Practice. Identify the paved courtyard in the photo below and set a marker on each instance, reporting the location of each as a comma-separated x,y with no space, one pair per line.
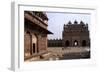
61,53
71,52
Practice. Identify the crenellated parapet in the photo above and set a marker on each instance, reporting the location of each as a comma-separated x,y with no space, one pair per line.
56,39
77,26
55,42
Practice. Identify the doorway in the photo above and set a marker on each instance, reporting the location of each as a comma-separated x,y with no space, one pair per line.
84,43
67,43
75,43
34,43
33,47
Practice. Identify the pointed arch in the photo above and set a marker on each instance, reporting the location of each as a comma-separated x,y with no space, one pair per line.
67,43
75,43
84,43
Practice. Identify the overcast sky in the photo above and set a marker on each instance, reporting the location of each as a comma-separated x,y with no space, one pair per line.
57,20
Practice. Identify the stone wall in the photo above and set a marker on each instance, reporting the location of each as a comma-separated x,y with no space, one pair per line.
54,42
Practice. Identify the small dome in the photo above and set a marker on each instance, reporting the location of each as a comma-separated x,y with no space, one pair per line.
75,22
69,22
81,22
87,24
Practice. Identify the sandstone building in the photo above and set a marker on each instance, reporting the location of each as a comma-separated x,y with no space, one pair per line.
73,35
35,33
76,35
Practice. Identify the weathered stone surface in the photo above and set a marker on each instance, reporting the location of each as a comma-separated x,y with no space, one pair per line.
35,34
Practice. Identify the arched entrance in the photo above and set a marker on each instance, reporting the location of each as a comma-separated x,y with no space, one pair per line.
75,43
34,44
84,43
67,44
27,43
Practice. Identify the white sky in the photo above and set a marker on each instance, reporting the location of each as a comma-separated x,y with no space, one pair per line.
57,20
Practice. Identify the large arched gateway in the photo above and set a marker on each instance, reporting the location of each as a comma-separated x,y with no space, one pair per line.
30,44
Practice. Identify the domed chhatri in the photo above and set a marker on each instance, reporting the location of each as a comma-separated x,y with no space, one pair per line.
81,22
69,22
75,22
